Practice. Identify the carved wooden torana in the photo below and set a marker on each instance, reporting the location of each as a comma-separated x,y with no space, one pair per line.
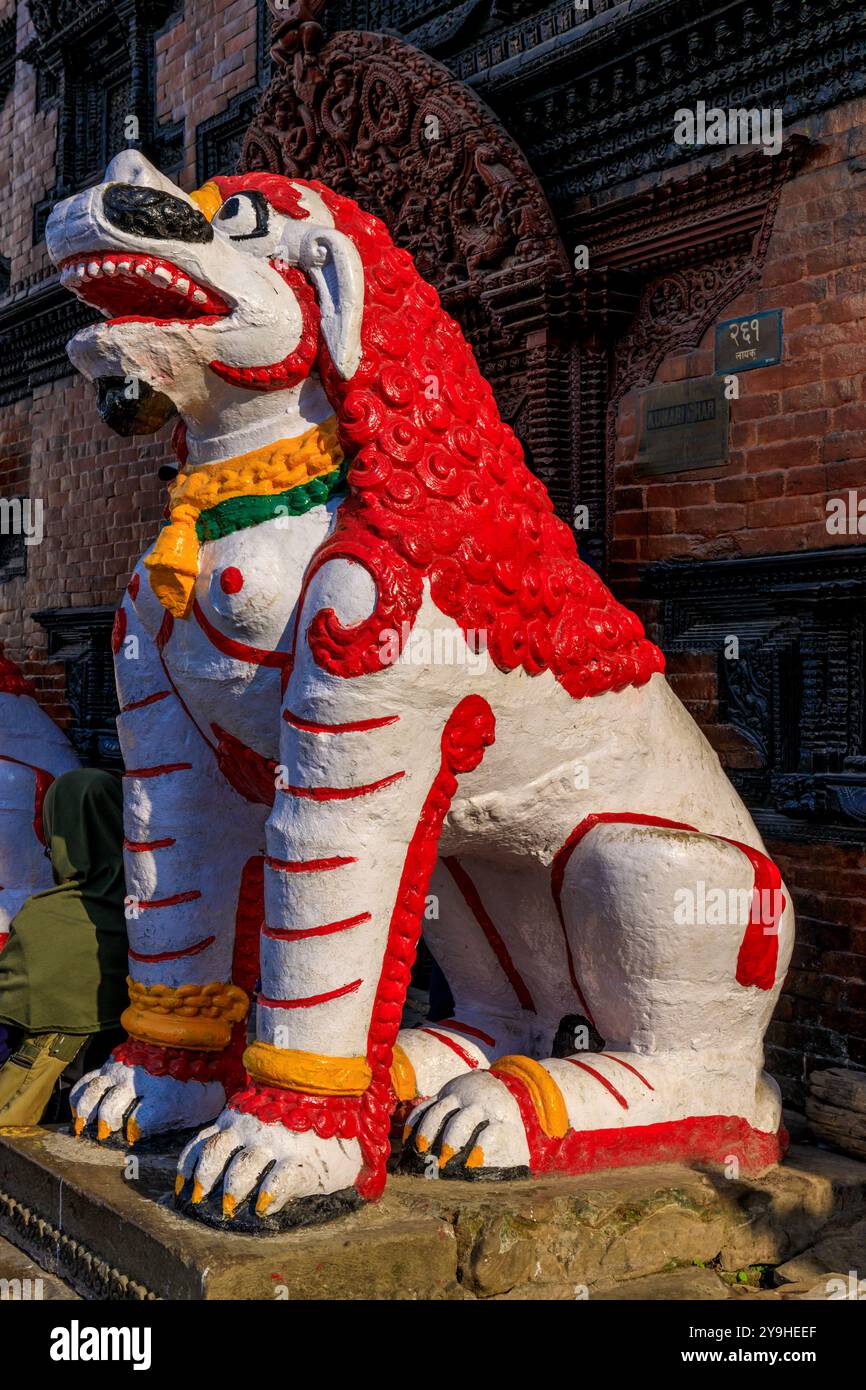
379,121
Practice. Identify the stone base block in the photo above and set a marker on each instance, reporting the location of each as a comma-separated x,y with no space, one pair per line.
103,1221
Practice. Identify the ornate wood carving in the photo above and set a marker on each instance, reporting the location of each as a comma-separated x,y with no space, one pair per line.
34,329
101,58
81,639
796,690
86,1271
592,100
378,120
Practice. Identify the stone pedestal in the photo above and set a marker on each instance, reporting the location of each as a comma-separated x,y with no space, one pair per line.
102,1221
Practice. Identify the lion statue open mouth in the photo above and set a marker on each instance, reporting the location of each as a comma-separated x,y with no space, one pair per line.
368,688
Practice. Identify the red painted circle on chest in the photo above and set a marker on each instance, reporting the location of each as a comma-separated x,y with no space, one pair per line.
231,580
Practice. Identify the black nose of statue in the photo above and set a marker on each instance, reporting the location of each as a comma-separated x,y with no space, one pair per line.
150,213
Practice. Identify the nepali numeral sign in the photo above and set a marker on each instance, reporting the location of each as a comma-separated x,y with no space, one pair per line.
683,425
754,340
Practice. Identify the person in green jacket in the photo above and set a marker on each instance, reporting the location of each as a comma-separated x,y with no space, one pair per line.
63,970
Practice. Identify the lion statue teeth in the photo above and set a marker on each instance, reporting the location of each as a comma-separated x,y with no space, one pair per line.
368,689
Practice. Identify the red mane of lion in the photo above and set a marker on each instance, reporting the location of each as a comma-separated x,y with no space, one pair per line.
439,490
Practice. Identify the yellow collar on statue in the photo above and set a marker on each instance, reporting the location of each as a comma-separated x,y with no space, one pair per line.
173,564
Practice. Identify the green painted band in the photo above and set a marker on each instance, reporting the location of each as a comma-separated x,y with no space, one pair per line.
236,513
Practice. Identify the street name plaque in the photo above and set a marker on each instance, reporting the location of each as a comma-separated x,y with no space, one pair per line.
683,425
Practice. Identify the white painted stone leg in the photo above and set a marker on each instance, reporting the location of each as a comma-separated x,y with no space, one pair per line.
128,1103
473,1127
596,1110
267,1167
344,893
181,904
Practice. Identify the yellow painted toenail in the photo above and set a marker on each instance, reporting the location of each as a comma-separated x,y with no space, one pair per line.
264,1201
407,1130
103,1129
447,1152
133,1133
79,1125
197,1192
178,1184
229,1204
422,1144
476,1158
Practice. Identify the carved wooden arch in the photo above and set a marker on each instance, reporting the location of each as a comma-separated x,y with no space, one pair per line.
379,121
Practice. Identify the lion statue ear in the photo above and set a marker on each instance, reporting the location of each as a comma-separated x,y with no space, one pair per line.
332,263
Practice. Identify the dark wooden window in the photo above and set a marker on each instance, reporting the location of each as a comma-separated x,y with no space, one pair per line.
81,639
795,689
13,551
8,31
98,62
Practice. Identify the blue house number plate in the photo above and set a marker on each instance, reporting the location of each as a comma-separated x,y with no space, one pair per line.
753,340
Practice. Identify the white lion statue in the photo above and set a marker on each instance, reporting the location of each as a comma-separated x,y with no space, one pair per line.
369,688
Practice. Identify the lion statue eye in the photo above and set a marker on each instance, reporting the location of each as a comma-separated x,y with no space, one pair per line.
242,216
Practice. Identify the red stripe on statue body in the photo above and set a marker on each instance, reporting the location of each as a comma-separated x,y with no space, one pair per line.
342,793
466,1028
453,1045
147,846
758,957
597,1076
147,700
472,899
468,731
311,1000
357,726
628,1066
156,957
308,866
176,899
711,1139
327,929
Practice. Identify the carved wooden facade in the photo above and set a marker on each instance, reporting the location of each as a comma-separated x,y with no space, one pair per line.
796,691
385,124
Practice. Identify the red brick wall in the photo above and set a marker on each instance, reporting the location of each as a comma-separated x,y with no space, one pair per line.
102,502
798,430
102,499
797,439
202,62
